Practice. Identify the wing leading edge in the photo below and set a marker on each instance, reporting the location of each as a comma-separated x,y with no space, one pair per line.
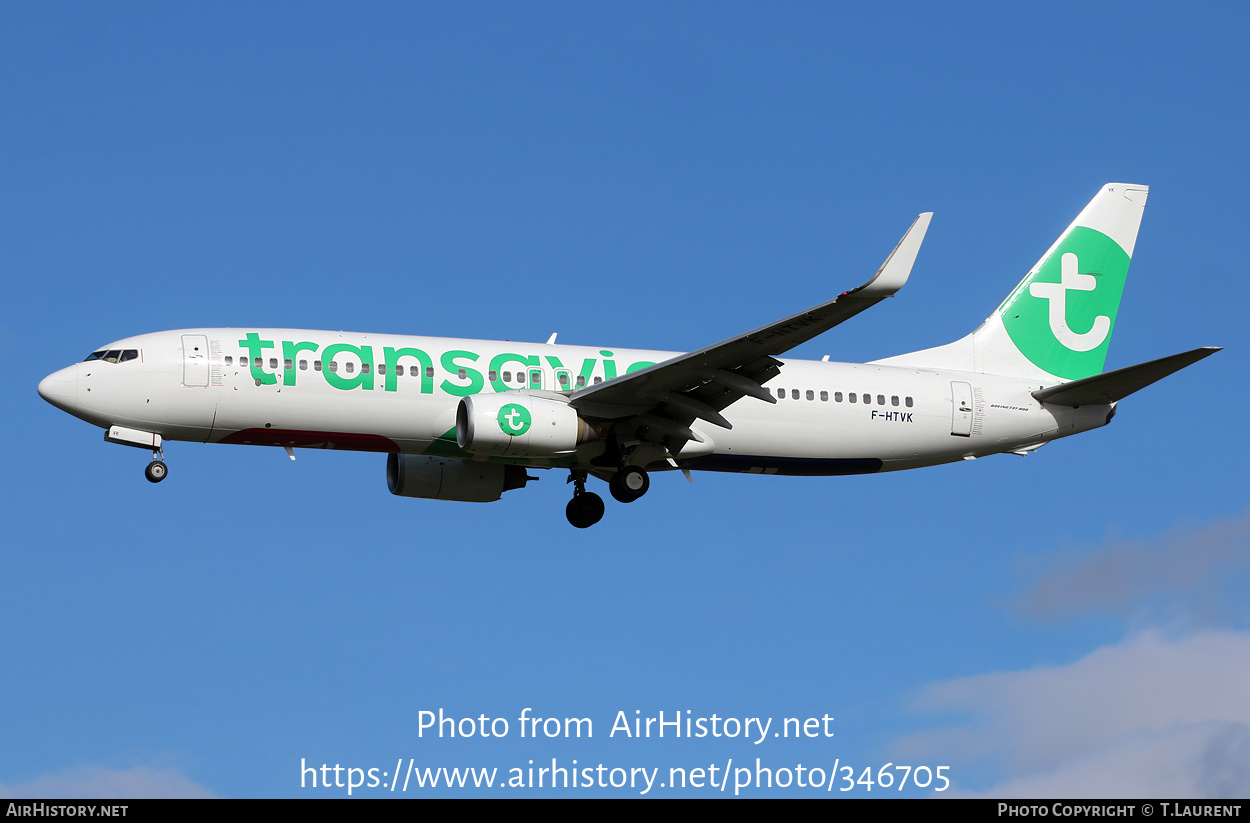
670,395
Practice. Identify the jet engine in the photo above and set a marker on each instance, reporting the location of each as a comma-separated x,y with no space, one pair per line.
520,424
447,478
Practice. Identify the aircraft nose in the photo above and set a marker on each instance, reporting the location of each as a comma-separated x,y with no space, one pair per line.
61,388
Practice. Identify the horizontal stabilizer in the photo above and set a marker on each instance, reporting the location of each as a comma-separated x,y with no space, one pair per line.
1116,385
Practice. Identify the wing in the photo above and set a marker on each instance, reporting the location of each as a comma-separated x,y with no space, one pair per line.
667,397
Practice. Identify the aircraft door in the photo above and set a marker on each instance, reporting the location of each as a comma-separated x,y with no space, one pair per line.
194,360
961,409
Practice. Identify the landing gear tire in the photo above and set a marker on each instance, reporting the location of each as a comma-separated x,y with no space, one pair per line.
156,471
629,484
584,510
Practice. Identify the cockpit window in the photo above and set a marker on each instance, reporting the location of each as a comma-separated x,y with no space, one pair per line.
114,355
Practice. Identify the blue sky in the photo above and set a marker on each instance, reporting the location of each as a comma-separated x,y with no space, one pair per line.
630,175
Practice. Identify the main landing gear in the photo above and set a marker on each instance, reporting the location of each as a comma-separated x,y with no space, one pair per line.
156,470
629,484
586,508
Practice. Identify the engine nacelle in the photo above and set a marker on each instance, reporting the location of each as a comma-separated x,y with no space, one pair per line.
447,478
520,424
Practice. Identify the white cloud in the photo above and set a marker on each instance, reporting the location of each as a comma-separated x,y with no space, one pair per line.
1209,761
1150,717
96,782
1182,572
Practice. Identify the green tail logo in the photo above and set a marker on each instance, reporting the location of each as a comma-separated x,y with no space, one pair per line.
1061,316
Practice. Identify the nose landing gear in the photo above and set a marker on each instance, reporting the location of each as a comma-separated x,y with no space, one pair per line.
156,470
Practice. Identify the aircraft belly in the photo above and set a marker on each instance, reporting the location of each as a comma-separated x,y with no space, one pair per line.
773,464
315,417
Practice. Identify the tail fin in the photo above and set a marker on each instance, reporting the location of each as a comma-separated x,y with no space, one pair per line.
1057,323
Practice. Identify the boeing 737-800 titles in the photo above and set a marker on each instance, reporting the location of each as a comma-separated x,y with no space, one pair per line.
466,419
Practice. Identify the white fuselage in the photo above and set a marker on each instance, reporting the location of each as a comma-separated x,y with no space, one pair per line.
392,393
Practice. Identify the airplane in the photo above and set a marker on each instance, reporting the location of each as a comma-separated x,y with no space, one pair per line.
466,419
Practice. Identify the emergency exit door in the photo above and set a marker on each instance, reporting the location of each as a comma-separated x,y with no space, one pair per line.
961,409
194,360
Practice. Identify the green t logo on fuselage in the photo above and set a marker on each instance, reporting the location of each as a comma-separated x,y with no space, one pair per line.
1062,315
514,420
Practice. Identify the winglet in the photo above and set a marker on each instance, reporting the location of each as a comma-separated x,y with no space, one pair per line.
896,269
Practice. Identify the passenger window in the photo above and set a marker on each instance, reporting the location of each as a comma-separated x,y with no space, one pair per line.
316,365
381,368
303,365
536,379
334,366
492,375
288,365
399,370
794,394
243,362
507,377
598,379
563,379
837,397
908,402
273,363
364,368
229,360
851,397
429,371
461,374
811,395
351,367
881,400
781,393
824,397
581,381
894,400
